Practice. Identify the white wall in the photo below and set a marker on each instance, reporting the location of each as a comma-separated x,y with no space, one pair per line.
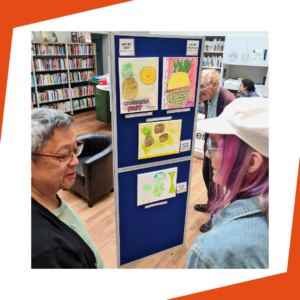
213,33
255,74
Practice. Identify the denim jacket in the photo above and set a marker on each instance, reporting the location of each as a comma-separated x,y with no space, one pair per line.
239,239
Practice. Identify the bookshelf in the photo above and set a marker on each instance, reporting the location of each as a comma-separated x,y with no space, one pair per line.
60,75
213,43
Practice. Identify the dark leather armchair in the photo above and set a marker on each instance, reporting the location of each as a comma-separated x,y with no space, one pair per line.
94,173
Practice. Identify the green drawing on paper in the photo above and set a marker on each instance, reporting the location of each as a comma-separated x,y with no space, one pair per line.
159,178
147,187
158,190
172,188
157,144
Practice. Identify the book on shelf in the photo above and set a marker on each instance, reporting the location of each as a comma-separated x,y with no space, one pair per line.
81,37
74,37
32,82
33,98
53,95
87,37
63,106
83,103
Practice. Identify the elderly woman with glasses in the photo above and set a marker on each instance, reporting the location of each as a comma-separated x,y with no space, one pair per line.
59,237
215,100
238,147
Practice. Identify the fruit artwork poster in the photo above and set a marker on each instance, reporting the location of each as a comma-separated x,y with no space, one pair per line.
138,84
159,138
156,186
179,82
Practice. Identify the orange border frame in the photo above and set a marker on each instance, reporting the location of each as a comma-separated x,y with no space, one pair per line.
19,13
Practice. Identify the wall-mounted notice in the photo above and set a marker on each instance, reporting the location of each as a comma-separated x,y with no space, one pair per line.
181,187
179,82
258,54
185,145
138,84
232,56
192,47
126,47
156,186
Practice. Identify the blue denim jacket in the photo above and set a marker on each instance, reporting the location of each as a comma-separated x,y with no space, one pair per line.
239,239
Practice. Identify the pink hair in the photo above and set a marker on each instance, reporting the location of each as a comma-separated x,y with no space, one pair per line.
233,174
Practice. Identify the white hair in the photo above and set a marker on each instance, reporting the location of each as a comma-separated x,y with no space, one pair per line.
43,123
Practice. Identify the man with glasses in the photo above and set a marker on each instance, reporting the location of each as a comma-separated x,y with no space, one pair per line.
215,100
59,238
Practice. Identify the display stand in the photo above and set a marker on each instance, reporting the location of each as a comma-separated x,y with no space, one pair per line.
143,231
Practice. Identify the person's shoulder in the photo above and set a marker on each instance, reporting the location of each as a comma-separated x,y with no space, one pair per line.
236,244
227,95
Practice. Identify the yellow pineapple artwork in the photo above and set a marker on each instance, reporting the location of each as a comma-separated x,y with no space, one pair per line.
138,84
159,138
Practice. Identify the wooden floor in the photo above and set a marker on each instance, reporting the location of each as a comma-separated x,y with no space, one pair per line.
100,219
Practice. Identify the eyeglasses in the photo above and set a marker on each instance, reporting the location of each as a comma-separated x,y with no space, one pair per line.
202,88
67,157
212,147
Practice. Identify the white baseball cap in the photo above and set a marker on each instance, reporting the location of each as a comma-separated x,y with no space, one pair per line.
247,118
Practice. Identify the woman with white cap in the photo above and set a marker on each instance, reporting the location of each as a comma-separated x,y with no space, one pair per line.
238,146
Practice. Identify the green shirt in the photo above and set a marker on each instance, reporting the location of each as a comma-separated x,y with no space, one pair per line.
67,215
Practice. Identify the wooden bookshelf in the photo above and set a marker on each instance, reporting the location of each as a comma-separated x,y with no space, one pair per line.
71,84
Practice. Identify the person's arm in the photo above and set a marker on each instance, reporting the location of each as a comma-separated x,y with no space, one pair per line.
194,261
58,258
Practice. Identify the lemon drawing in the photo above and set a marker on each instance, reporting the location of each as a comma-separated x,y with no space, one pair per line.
148,75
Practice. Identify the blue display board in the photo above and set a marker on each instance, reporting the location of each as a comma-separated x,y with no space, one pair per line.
142,232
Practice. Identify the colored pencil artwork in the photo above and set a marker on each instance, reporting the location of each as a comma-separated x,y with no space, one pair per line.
156,186
159,138
138,84
179,82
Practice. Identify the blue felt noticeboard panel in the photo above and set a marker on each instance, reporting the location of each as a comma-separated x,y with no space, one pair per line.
143,232
147,231
128,128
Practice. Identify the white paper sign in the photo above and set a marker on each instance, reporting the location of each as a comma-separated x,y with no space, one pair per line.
258,54
192,47
181,187
126,47
185,145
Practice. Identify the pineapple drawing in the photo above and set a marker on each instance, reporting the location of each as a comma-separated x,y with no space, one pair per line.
179,83
149,140
148,75
129,86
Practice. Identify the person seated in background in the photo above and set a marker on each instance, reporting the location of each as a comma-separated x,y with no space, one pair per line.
59,238
239,154
215,99
247,88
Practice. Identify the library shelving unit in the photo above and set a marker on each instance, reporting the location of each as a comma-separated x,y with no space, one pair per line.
82,57
215,53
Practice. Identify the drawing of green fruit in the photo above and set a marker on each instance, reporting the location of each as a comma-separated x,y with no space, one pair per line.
147,131
130,85
158,190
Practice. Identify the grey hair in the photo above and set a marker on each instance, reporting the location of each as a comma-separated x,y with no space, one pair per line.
43,123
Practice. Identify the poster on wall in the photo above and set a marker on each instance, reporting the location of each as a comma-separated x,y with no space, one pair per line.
258,55
156,186
159,138
138,84
179,82
232,56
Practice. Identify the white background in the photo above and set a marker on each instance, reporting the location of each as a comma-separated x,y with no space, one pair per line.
20,280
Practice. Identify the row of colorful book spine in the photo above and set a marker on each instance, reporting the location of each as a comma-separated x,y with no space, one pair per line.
45,49
62,94
63,106
81,50
61,64
83,103
81,76
48,79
